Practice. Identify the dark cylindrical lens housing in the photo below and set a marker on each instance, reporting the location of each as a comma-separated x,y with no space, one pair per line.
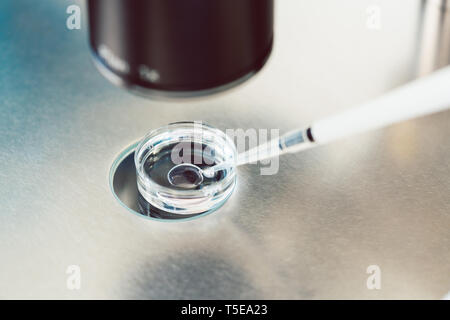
180,48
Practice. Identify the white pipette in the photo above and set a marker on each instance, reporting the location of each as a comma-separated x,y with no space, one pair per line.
418,98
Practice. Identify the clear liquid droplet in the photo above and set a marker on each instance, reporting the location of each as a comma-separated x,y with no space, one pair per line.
185,176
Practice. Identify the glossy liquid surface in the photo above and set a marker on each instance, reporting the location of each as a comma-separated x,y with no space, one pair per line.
159,163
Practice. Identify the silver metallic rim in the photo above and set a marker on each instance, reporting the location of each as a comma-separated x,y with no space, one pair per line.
118,160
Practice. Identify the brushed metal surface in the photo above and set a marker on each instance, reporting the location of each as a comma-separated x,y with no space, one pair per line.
310,231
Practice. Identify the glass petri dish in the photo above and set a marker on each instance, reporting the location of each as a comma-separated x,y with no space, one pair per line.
184,142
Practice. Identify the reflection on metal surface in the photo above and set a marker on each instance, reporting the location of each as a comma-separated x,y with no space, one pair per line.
434,45
192,268
404,146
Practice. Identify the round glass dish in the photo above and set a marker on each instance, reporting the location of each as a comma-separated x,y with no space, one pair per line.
184,142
